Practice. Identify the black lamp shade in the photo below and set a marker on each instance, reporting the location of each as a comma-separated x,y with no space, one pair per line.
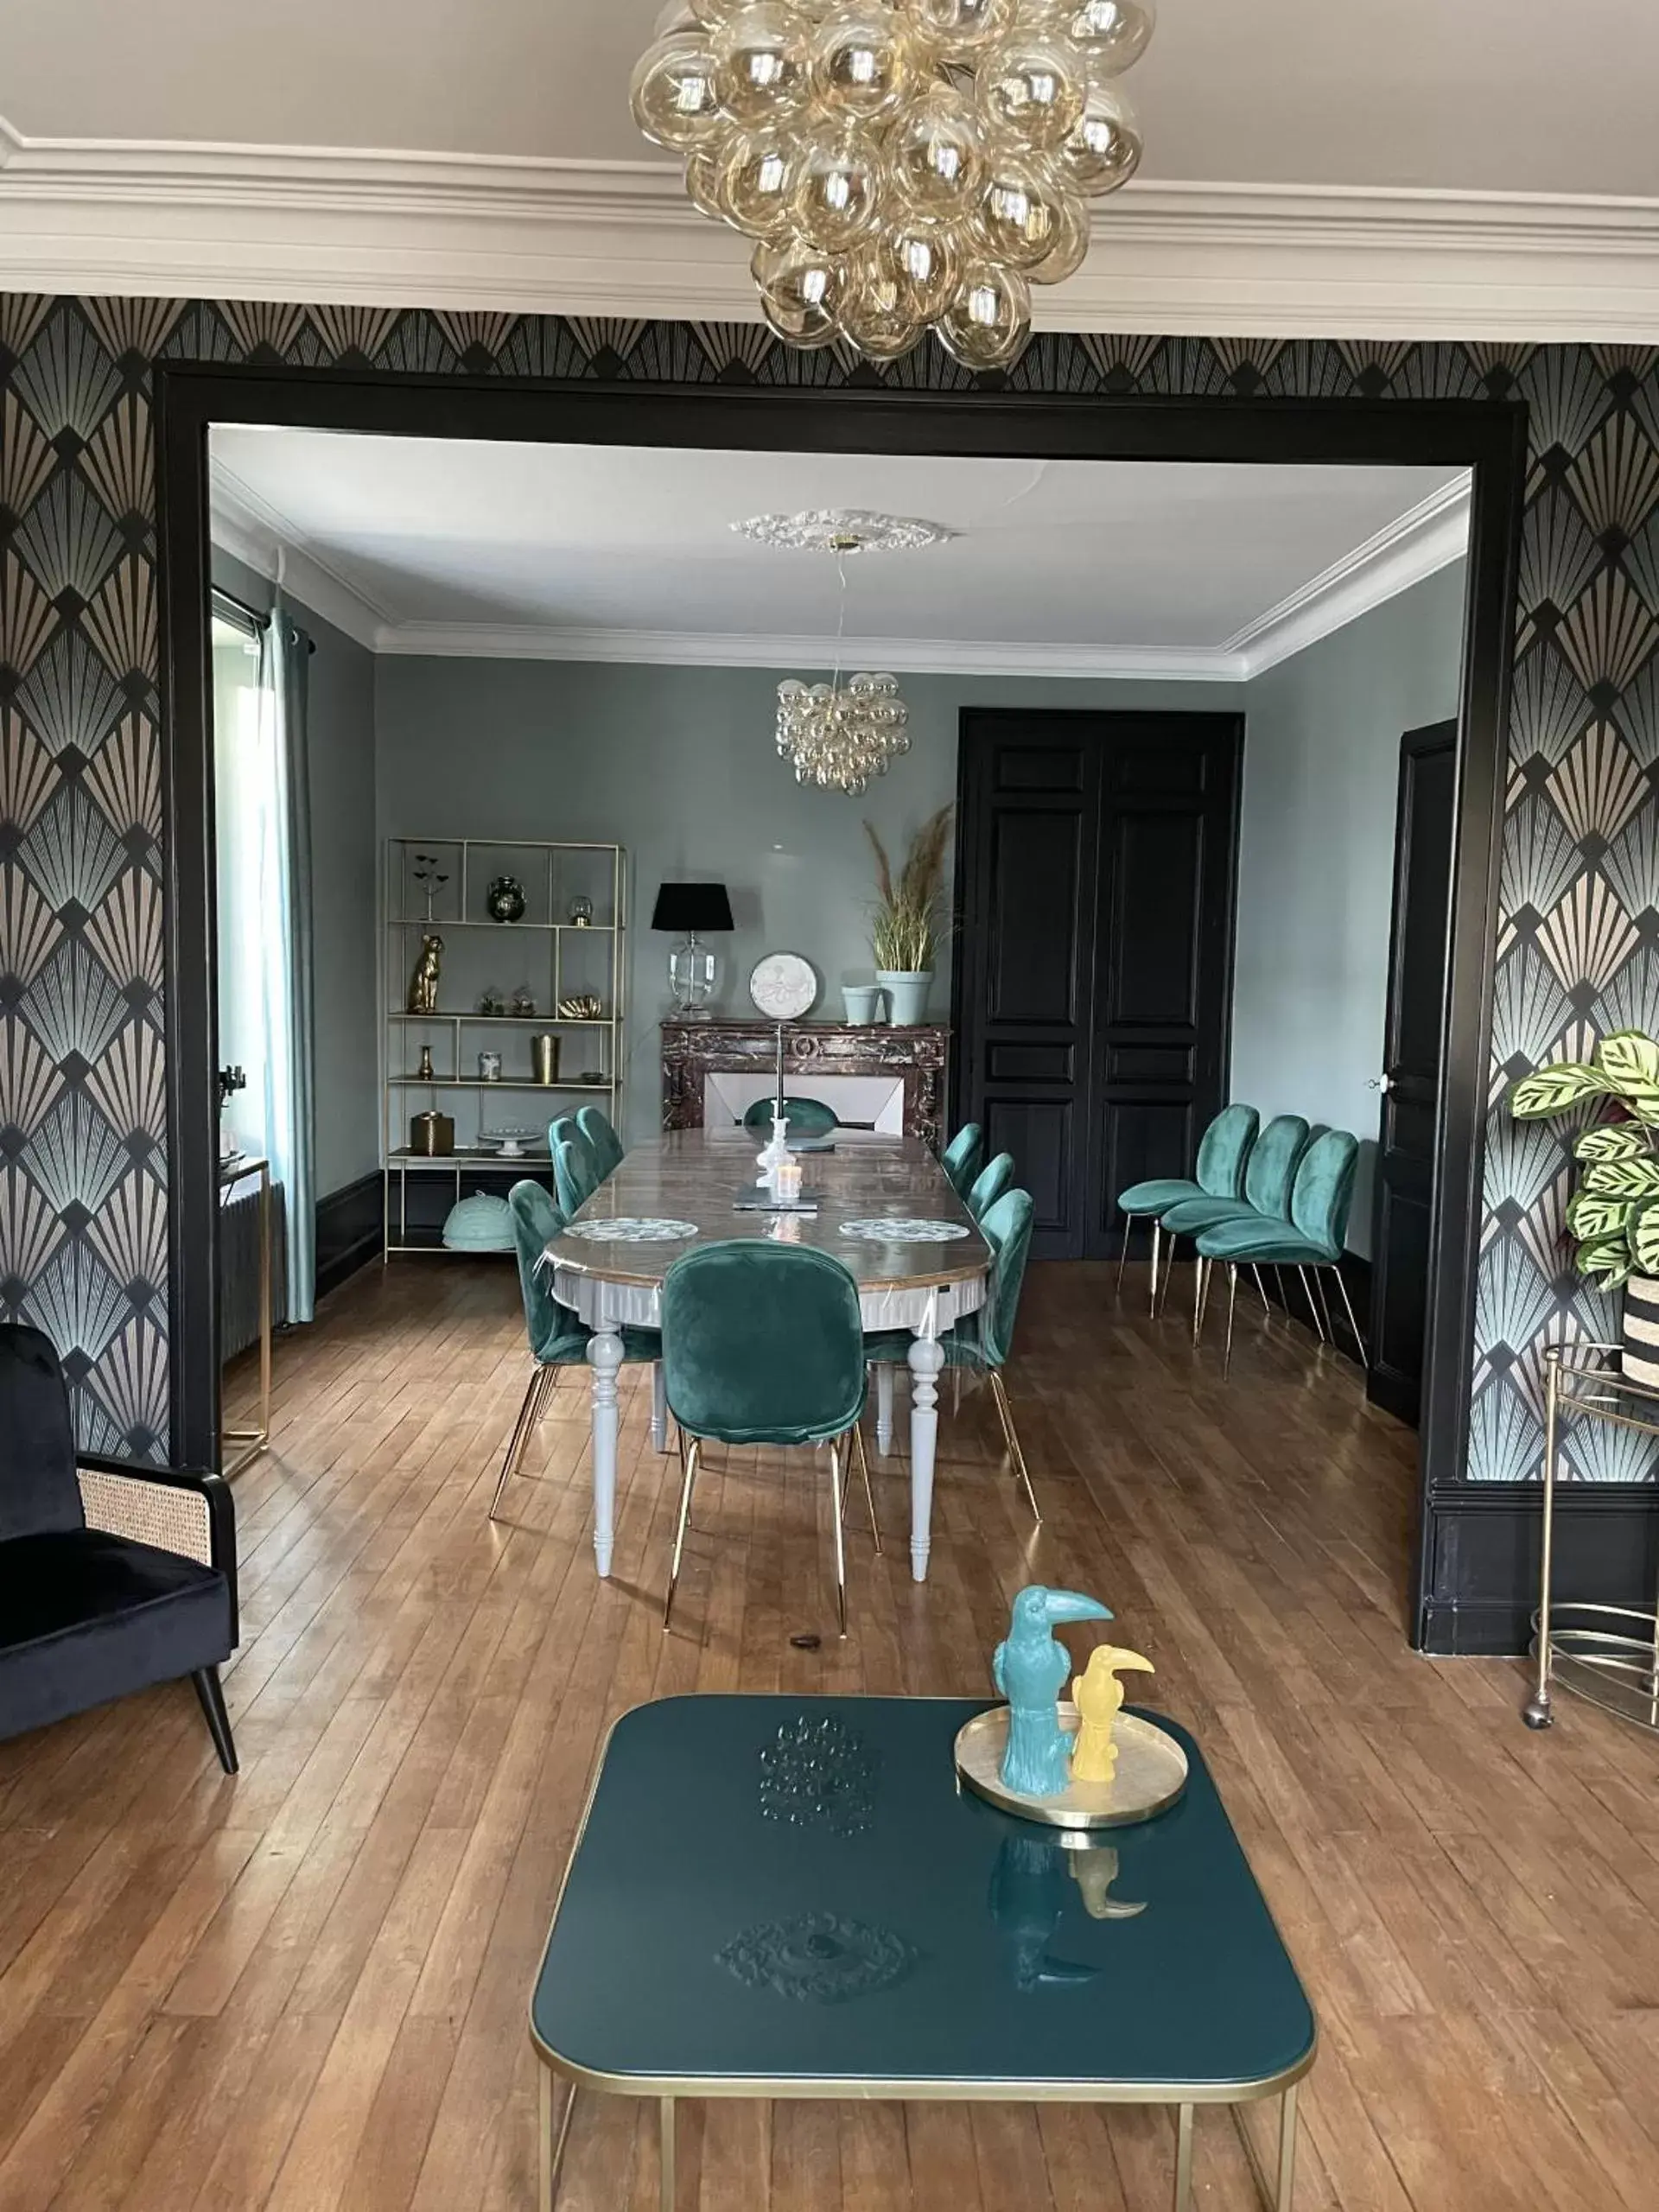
695,908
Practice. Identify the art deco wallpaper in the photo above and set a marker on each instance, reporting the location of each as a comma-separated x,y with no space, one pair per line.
83,1018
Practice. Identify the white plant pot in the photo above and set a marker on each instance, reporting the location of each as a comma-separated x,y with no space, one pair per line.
906,991
1641,1361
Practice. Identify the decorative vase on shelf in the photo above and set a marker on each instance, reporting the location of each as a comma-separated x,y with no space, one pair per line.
505,899
907,990
861,1001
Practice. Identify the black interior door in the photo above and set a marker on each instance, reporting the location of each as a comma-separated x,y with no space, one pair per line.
1095,885
1411,1068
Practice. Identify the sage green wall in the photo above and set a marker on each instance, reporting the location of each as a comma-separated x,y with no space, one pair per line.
677,765
1316,860
340,740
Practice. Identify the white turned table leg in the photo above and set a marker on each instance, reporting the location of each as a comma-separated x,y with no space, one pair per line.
926,1358
604,1357
658,1406
884,1409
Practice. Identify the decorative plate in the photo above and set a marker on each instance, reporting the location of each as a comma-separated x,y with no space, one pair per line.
903,1231
784,986
633,1229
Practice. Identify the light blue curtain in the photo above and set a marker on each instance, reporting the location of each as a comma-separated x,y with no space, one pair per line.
290,995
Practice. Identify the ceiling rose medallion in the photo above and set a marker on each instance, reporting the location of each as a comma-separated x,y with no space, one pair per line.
836,736
902,165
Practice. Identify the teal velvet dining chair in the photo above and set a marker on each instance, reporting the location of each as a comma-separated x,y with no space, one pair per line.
764,1344
1312,1241
1219,1172
558,1338
595,1124
1270,1174
994,1178
576,1171
803,1117
963,1157
982,1342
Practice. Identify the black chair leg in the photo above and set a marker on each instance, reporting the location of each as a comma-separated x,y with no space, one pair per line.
212,1700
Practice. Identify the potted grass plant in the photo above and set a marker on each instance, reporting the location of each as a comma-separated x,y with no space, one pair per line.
1614,1213
907,917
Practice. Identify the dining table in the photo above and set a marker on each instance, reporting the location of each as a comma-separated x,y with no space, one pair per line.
883,1206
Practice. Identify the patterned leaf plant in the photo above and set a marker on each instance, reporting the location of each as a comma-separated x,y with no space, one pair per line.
1614,1213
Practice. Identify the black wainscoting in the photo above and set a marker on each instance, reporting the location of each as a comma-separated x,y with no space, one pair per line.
351,1229
1482,1585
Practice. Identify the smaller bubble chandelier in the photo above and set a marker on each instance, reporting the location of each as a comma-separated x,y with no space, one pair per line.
902,165
836,736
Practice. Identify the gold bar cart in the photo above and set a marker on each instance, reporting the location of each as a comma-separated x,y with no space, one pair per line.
1606,1654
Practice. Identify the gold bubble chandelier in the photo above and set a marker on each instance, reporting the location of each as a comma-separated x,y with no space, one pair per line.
903,165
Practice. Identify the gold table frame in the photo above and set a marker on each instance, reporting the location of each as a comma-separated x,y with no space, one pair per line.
1607,1655
248,1443
1276,2189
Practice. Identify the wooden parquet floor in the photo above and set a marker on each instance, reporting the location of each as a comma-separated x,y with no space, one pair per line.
305,1988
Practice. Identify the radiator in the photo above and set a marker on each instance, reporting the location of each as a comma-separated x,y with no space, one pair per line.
238,1270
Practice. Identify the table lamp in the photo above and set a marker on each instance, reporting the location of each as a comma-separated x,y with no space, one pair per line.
690,910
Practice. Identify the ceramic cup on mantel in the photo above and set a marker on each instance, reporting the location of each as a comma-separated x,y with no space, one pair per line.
906,995
861,1000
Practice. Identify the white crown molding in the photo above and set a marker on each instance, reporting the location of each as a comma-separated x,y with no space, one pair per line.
248,527
1427,538
731,649
484,233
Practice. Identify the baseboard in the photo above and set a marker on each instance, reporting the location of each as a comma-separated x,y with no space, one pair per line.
351,1229
1481,1587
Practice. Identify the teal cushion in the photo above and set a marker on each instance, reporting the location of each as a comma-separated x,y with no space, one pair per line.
556,1337
1265,1243
985,1338
1159,1195
962,1156
603,1142
996,1177
1194,1214
1223,1149
762,1343
803,1117
1269,1176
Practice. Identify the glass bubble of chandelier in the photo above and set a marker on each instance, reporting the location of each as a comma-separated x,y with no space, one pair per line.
837,736
902,165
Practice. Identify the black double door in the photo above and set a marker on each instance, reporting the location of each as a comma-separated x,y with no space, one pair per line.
1096,866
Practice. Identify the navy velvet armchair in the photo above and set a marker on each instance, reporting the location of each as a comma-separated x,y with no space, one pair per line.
112,1578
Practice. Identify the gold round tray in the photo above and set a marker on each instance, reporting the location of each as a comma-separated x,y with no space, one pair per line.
1151,1773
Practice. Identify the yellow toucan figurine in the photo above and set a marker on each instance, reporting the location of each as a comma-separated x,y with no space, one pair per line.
1098,1696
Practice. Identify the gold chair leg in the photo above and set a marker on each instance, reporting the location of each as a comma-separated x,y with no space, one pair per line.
1348,1308
529,1413
1307,1293
1233,1301
1200,1286
869,1495
1325,1307
1261,1289
686,1487
1123,1256
1157,1255
1011,1436
841,1542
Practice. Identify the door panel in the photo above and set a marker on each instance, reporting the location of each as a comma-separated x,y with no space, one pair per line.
1095,893
1411,1067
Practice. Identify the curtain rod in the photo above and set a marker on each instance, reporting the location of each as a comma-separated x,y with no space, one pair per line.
237,609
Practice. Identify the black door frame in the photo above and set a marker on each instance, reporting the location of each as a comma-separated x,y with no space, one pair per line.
1487,437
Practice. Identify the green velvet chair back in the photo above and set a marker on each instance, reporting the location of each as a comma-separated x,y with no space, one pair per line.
961,1157
568,1130
1005,1228
572,1176
1275,1157
803,1117
595,1124
1323,1189
996,1177
762,1343
1223,1149
535,1219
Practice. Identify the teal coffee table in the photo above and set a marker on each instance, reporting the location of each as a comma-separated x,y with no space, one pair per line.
785,1897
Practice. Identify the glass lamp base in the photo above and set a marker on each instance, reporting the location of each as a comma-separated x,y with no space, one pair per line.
692,971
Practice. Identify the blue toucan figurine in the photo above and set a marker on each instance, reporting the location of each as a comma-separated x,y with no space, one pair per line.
1030,1667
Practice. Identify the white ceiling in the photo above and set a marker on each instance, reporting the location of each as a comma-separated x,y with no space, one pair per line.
623,552
1546,96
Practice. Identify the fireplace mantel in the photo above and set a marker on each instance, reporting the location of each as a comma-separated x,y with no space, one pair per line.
916,1058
